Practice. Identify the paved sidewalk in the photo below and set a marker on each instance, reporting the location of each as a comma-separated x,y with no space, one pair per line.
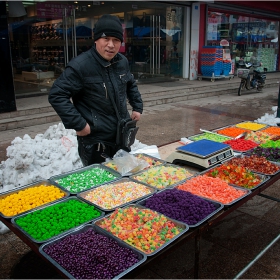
29,103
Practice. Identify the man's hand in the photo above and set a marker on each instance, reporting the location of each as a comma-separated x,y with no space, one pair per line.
135,115
84,132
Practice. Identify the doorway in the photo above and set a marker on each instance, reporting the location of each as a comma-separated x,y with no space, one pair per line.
154,46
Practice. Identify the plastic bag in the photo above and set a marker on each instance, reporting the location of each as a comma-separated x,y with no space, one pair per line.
128,164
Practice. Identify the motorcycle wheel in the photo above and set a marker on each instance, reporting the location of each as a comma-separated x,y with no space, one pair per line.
260,87
241,86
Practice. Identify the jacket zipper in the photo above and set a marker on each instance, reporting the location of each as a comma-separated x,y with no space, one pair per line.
121,76
105,90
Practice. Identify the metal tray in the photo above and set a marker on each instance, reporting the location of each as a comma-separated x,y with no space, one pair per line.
229,126
201,134
184,226
83,169
165,165
42,208
265,125
246,193
269,126
32,185
142,257
219,206
122,180
255,171
241,152
153,158
261,176
134,172
247,153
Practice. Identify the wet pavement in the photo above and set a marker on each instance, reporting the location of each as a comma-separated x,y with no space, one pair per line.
228,246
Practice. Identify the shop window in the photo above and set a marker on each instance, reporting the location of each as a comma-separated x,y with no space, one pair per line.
249,38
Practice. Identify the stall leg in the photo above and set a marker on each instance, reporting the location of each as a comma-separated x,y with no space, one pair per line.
196,256
278,106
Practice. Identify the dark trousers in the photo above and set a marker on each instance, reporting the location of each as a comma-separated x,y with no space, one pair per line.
91,152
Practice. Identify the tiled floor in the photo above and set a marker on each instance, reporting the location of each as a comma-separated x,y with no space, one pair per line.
228,246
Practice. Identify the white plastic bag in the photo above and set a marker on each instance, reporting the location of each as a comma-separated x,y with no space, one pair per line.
128,164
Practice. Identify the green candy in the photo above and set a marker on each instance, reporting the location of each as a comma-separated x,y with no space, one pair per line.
66,215
81,181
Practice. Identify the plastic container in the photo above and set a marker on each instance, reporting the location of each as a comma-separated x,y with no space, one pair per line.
141,257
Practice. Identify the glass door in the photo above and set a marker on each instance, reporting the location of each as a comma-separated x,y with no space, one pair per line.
154,45
69,34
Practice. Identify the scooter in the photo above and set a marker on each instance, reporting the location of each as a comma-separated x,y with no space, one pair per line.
256,82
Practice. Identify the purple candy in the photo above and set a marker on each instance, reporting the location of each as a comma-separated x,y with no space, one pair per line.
90,255
180,205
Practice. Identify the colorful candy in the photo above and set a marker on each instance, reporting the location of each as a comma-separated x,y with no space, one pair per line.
162,176
212,188
251,125
29,198
258,136
55,219
271,144
91,255
256,163
272,130
80,181
272,154
236,175
112,195
210,136
231,131
142,228
241,145
180,205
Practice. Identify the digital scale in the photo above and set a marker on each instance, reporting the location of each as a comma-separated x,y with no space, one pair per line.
202,154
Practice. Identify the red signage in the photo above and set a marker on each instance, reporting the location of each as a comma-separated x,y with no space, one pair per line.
52,10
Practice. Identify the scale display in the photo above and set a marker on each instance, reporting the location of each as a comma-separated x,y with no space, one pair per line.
203,148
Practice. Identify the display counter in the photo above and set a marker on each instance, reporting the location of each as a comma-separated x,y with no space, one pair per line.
193,233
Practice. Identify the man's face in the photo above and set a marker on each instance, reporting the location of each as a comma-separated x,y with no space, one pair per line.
108,47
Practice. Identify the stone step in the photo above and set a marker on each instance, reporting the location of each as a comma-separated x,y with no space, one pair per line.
28,120
41,115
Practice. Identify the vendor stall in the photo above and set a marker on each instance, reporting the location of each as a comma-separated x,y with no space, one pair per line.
142,216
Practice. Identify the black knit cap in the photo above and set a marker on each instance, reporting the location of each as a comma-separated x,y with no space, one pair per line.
108,26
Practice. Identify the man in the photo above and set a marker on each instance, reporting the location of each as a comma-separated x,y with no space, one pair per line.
81,95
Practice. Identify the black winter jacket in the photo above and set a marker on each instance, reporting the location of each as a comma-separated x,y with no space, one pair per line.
82,81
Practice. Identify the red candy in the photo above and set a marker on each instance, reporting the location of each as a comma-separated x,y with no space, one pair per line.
241,144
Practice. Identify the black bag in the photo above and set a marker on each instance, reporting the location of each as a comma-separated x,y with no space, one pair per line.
126,133
126,130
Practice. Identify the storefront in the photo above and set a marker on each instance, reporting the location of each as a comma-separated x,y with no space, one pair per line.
250,34
44,40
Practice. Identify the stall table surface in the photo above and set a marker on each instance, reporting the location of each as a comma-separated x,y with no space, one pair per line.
164,152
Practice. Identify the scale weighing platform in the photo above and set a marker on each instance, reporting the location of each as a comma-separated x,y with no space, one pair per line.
202,154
